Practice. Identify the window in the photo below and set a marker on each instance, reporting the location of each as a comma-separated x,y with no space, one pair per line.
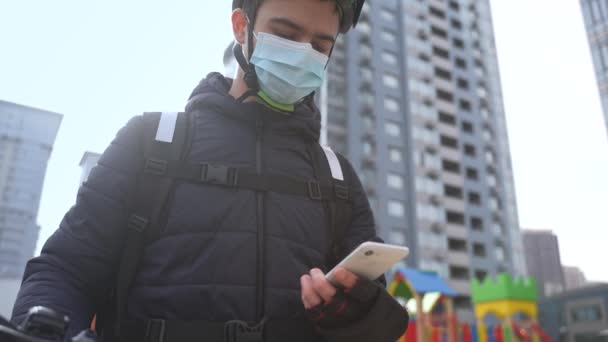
463,84
396,208
450,166
434,266
429,212
500,253
391,104
395,155
394,181
465,105
588,313
452,191
447,118
389,58
439,32
428,185
459,273
437,51
368,150
426,135
392,129
487,135
495,203
387,15
458,43
457,245
444,95
390,81
456,24
474,198
388,36
479,249
396,236
490,159
444,74
454,5
491,179
467,126
476,224
496,228
448,141
470,150
437,12
454,217
461,63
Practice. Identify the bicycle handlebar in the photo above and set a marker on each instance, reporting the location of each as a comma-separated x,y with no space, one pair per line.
42,325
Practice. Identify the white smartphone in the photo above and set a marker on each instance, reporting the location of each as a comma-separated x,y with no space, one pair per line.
370,260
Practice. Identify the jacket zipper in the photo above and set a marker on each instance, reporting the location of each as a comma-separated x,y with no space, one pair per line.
260,274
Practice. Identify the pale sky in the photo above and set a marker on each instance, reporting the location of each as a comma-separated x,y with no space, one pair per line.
100,63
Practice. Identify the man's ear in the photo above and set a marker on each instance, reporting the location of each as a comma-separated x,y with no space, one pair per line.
239,25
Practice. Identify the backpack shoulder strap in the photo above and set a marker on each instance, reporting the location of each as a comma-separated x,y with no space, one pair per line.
163,138
329,168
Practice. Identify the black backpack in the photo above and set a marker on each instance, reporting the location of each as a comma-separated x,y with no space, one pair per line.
164,140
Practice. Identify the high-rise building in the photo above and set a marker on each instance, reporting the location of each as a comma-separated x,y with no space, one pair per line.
413,98
595,14
87,163
230,64
26,141
544,261
574,277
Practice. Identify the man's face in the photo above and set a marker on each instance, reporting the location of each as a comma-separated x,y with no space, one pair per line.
306,21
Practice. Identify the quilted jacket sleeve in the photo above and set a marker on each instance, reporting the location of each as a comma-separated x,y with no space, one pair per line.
386,319
77,265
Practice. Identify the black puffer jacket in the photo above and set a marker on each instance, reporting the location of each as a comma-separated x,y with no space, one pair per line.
203,266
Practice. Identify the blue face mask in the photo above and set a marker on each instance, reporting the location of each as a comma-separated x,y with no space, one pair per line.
287,71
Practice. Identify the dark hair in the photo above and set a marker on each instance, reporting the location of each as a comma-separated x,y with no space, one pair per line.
349,10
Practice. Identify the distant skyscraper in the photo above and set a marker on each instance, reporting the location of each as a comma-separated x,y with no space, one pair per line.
87,163
544,261
574,277
230,64
595,14
413,98
26,141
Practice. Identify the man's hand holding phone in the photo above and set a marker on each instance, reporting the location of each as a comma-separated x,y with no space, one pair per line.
316,289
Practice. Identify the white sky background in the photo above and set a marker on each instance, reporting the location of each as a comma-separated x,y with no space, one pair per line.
99,63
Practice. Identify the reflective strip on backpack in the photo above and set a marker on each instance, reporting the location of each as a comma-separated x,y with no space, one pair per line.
166,127
334,163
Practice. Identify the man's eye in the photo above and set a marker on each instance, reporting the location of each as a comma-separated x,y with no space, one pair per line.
321,48
286,36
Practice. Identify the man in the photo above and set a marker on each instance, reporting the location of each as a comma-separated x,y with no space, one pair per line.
228,263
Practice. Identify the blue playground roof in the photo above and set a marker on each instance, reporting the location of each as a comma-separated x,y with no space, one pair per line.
424,282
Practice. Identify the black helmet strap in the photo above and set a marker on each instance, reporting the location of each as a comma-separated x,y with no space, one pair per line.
250,77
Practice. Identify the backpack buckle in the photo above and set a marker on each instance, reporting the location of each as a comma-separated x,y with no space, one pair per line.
155,330
341,191
219,174
156,167
138,223
314,190
241,331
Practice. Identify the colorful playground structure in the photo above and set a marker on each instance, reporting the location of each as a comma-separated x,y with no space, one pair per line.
505,309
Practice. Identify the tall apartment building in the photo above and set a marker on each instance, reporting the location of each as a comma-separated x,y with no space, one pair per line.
26,141
544,261
574,278
413,98
87,163
595,15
